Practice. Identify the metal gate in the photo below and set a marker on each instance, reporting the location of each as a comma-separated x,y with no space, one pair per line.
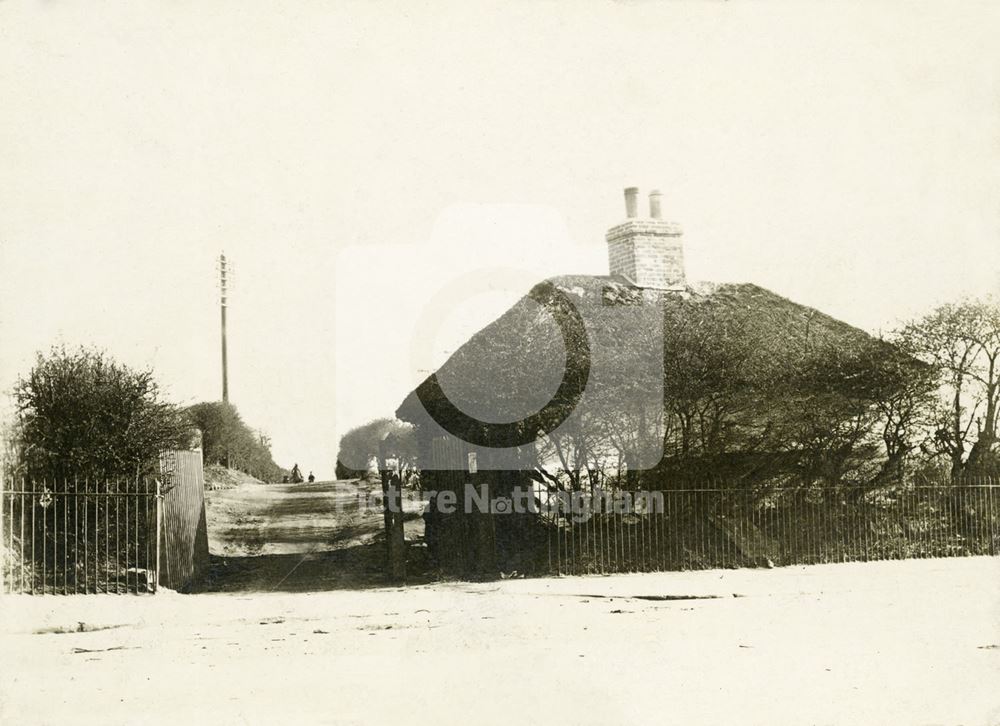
77,537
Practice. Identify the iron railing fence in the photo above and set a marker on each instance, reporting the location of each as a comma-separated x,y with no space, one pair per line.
704,528
79,536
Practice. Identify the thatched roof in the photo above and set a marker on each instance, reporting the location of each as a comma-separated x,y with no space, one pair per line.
514,365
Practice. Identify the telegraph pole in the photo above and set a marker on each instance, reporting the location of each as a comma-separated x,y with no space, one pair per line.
222,288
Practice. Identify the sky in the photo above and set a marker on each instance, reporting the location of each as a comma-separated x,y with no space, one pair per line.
389,177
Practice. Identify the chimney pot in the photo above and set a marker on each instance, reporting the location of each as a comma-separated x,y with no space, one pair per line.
654,204
632,202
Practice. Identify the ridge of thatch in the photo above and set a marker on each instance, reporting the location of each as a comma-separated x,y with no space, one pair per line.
513,354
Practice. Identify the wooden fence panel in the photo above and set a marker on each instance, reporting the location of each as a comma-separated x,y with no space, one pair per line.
184,538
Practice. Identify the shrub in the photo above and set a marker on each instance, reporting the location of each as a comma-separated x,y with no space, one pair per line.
227,440
83,414
361,443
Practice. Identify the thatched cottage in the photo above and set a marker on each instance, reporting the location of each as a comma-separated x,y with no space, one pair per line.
642,377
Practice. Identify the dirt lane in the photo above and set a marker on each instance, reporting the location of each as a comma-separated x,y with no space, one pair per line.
298,537
281,519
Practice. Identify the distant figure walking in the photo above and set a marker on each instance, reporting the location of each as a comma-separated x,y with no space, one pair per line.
296,474
311,478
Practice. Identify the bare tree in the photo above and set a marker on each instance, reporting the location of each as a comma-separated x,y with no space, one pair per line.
962,342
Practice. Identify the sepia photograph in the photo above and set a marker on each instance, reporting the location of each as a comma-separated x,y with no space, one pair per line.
583,362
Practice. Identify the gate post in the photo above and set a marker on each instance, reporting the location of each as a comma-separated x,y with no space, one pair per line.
392,510
3,550
989,510
159,527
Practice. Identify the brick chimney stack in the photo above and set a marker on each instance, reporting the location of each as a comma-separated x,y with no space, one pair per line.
647,252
